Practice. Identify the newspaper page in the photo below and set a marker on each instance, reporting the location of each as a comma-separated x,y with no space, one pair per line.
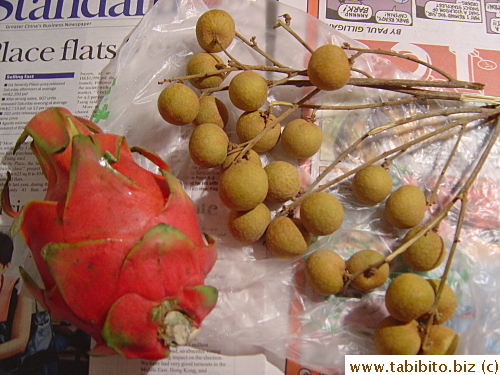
460,36
61,54
53,54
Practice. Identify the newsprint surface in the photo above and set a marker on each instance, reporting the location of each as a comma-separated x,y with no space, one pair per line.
60,53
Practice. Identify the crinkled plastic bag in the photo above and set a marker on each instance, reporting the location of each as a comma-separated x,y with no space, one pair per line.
265,305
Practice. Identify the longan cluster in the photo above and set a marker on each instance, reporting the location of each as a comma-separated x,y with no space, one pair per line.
410,299
246,186
404,209
411,302
363,271
249,188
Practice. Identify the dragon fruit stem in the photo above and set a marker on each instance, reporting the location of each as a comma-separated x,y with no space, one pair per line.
174,327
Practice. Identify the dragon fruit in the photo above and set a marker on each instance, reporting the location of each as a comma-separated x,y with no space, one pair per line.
118,248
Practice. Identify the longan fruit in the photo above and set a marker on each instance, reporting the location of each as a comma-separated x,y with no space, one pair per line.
329,67
248,90
408,297
178,104
205,63
249,226
208,145
215,30
286,237
393,337
427,253
252,123
243,186
212,110
372,184
442,341
283,180
301,139
250,157
325,271
405,207
373,277
321,213
446,304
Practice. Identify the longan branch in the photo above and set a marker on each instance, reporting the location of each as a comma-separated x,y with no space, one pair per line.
420,92
442,281
390,159
405,87
442,175
360,51
275,69
233,59
381,156
403,247
379,129
444,95
394,83
366,74
252,44
200,75
351,107
493,100
233,67
462,195
274,123
286,26
406,146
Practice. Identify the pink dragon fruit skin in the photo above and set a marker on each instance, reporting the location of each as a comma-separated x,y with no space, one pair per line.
118,248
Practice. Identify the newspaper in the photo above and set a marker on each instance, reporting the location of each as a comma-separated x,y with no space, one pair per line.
54,54
62,54
459,36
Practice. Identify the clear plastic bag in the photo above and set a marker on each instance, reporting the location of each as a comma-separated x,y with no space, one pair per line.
265,305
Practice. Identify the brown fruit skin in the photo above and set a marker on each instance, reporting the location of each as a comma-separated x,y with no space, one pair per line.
283,180
251,157
178,104
329,68
393,337
426,253
372,184
442,341
405,207
301,139
251,123
215,30
325,272
243,186
408,297
372,278
248,90
208,145
446,305
212,110
202,63
321,213
286,237
249,226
